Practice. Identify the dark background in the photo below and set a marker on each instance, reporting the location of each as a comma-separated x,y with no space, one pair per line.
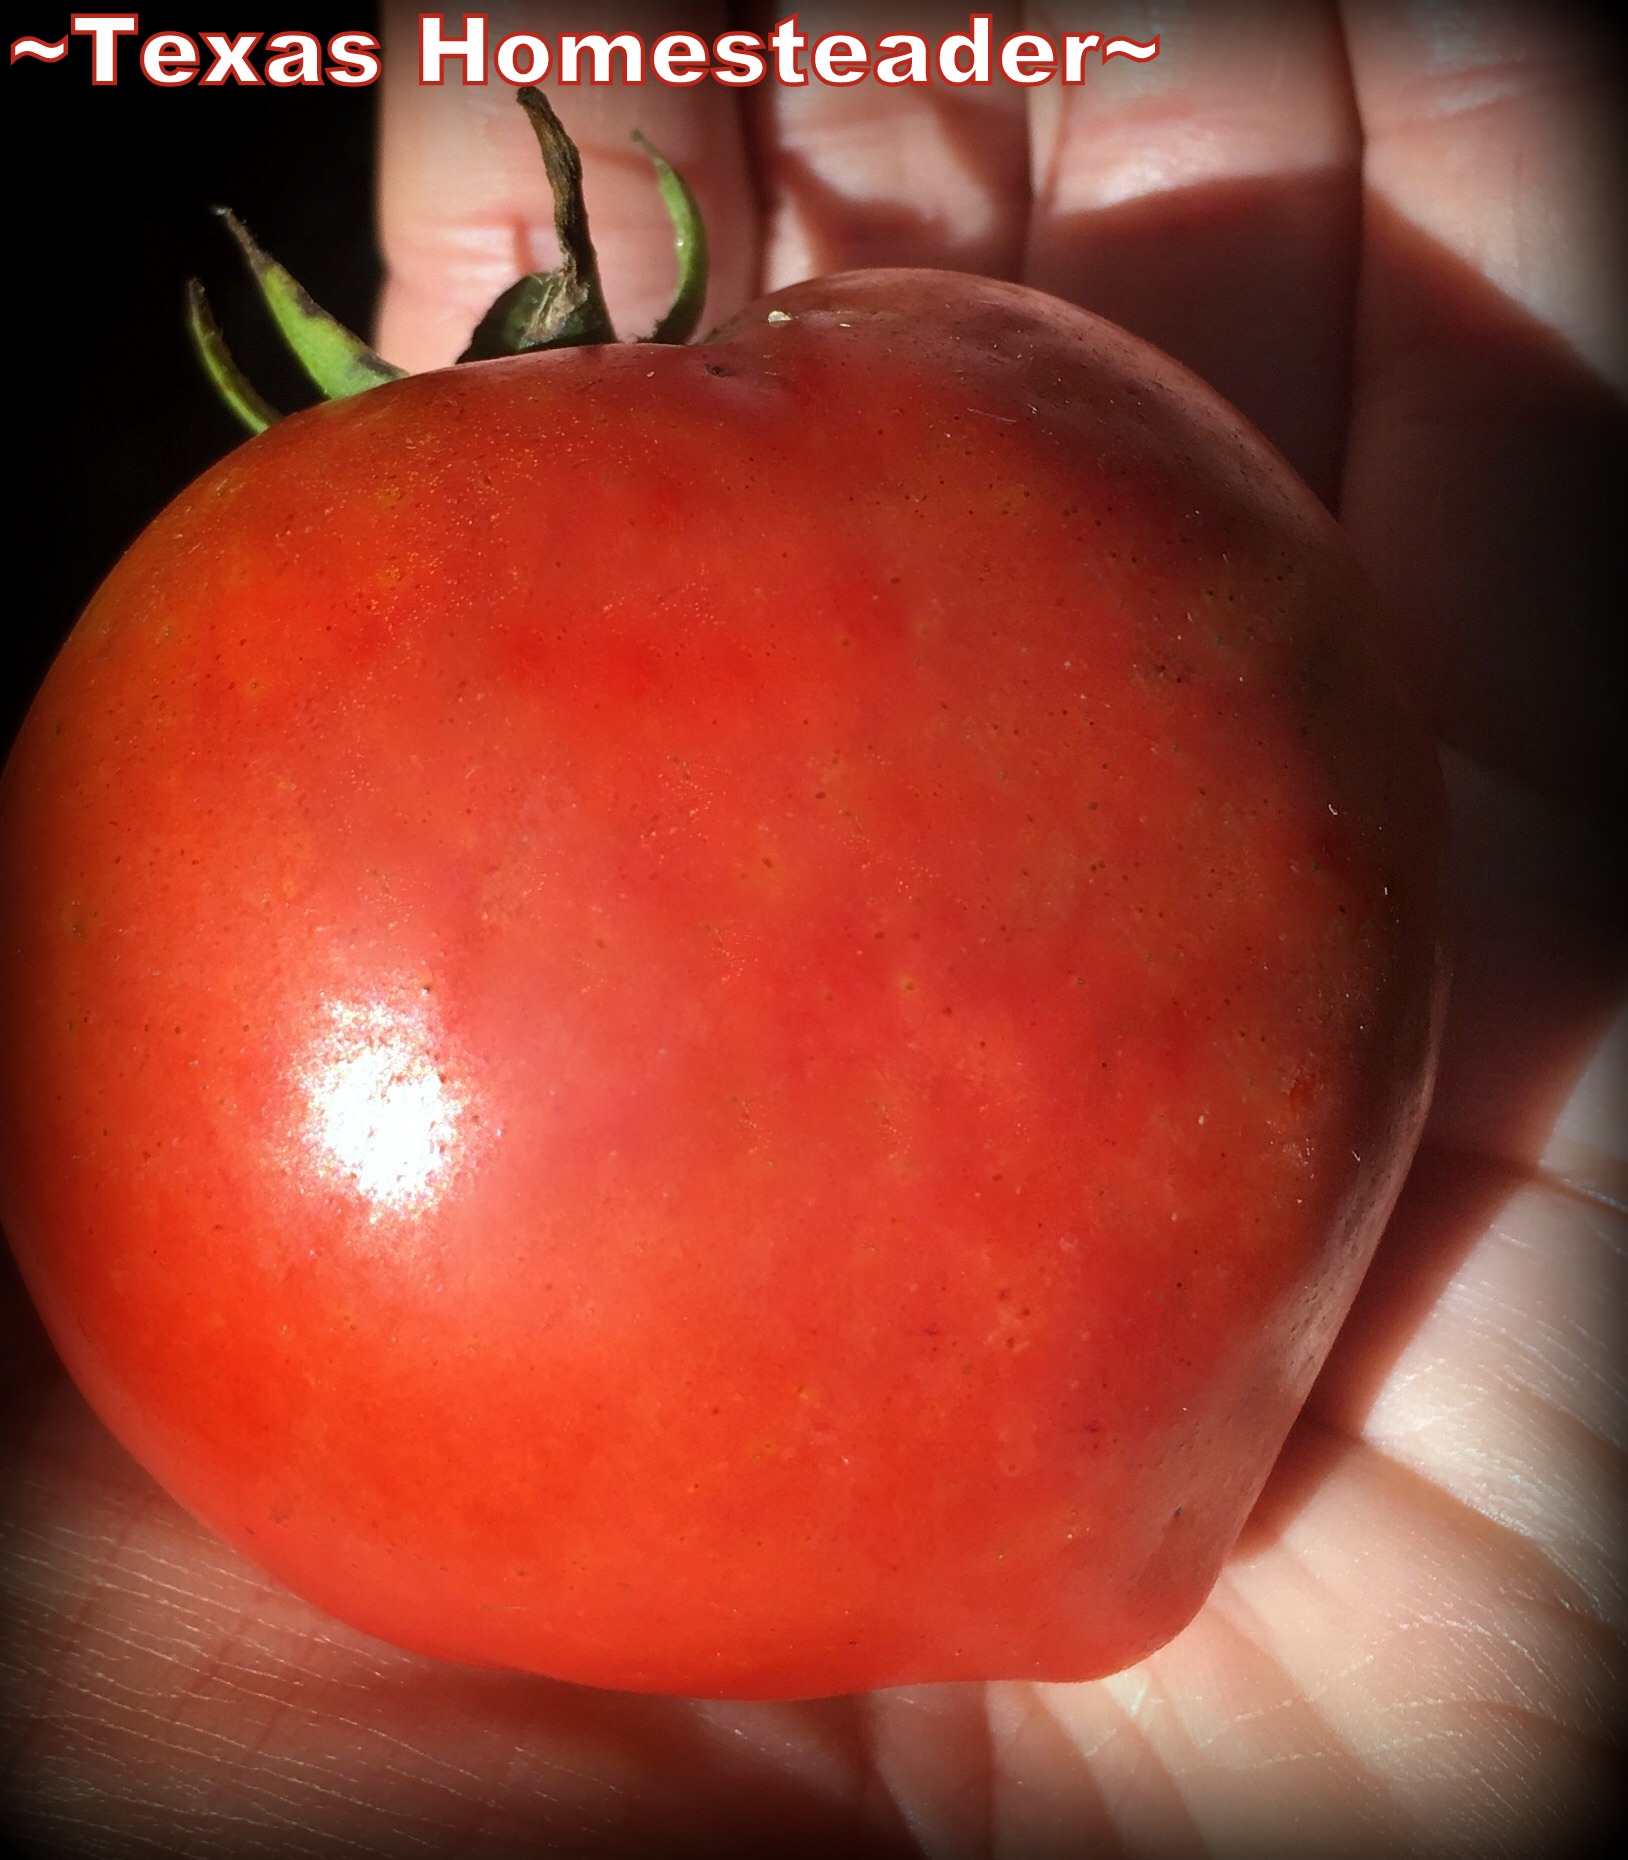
108,193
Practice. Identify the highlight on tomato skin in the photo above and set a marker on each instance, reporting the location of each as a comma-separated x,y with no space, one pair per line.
729,1019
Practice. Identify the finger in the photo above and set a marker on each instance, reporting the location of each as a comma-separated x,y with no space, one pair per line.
1488,427
1207,199
882,174
464,205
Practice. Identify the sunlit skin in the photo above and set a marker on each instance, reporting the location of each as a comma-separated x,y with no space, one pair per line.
1418,1641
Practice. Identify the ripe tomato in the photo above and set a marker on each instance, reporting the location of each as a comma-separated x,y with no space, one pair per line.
728,1019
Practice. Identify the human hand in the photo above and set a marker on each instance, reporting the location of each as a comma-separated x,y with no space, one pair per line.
1416,1641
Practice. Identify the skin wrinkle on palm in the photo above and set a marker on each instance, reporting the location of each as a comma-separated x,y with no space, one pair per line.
1422,1630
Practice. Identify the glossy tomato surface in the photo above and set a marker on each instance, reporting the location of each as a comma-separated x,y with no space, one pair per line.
731,1020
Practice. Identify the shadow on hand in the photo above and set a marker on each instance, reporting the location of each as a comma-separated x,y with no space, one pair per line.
1483,491
1250,283
843,232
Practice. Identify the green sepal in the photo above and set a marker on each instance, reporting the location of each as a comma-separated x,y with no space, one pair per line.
683,316
340,363
230,382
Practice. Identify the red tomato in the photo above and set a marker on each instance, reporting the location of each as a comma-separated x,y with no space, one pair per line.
732,1019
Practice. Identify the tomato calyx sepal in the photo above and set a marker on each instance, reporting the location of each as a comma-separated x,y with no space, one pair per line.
683,315
339,362
557,309
565,308
237,392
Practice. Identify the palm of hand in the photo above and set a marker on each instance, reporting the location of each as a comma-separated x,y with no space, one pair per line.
1421,1629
